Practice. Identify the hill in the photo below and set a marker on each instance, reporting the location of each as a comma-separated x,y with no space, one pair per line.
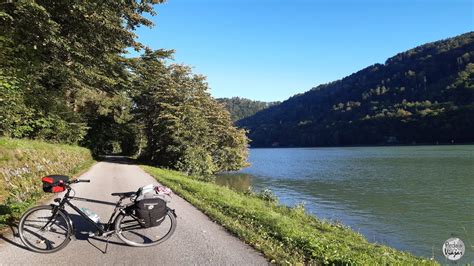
240,108
423,95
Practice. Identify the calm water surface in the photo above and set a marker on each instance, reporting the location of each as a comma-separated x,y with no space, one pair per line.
411,198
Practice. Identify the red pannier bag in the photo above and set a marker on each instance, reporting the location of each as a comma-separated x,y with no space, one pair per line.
53,183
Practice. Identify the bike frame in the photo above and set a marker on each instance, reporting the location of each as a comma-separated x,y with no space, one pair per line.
103,231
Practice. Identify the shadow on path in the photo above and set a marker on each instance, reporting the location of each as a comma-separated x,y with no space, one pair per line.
122,160
82,228
118,159
14,232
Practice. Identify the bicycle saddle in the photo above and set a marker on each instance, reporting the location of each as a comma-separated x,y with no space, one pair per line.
124,194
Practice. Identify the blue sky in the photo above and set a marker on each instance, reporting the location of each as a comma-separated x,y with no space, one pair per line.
271,49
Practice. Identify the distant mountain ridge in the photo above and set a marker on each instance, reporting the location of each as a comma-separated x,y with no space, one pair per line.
423,95
240,108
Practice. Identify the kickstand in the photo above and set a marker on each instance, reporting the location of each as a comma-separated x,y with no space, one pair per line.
107,244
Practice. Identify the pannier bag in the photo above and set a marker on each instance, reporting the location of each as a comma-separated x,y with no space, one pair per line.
151,210
52,183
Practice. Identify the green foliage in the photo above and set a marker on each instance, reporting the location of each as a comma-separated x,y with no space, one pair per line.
240,108
185,128
24,162
66,70
65,79
424,95
284,235
106,136
267,195
12,107
19,120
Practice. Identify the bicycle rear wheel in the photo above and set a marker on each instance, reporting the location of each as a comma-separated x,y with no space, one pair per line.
130,231
42,232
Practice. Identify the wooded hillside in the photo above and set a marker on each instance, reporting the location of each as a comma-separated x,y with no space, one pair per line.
240,108
423,95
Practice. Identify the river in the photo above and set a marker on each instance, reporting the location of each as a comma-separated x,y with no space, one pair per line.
412,198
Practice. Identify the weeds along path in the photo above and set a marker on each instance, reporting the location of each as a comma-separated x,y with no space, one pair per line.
197,239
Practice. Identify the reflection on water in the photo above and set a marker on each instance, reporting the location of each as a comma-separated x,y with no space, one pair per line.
238,181
411,198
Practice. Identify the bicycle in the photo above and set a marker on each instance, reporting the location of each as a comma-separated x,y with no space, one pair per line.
49,228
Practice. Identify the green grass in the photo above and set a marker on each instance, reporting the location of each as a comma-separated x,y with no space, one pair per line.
24,162
284,235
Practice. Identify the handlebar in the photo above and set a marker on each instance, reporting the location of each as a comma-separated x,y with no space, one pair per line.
79,181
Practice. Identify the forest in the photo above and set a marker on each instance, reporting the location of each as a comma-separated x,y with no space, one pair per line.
69,78
422,96
240,108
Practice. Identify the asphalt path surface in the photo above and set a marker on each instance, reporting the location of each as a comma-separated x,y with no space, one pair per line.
196,241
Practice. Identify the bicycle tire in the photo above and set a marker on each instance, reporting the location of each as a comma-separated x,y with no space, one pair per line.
120,233
22,230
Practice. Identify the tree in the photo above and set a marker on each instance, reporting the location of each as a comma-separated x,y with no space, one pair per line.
67,66
186,129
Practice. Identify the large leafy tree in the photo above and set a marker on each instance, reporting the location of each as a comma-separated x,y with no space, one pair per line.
64,61
186,129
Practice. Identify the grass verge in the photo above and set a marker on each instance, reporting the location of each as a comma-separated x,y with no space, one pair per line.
24,162
284,235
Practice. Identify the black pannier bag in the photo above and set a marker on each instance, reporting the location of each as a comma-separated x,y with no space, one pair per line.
53,183
151,211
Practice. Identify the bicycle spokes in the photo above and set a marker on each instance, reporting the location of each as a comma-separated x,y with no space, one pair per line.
42,231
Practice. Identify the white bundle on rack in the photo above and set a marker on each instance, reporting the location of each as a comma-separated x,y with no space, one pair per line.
154,191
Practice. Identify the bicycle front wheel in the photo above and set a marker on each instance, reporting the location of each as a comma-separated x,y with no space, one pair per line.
130,231
43,231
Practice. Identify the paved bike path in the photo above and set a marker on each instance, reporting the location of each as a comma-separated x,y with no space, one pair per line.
197,240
